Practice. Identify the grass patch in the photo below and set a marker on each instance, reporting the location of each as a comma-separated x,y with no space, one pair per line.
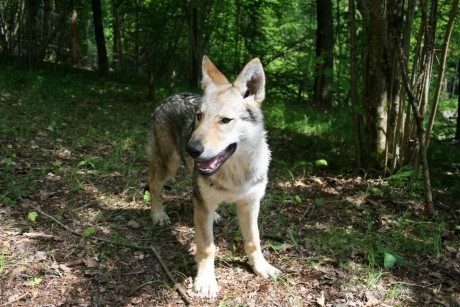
84,122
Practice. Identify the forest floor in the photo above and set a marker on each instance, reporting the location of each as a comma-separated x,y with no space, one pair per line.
73,171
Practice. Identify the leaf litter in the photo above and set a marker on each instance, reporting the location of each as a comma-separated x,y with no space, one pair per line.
336,238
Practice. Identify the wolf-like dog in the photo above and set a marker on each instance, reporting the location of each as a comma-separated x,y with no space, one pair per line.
220,135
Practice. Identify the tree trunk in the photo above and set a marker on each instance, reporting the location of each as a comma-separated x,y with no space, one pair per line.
136,41
150,72
324,53
103,62
31,57
194,44
395,22
375,79
117,52
354,85
74,42
3,29
457,132
400,137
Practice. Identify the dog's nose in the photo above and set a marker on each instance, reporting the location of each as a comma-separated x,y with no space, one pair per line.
194,149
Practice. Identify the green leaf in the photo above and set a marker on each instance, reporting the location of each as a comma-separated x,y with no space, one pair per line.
33,282
2,263
297,199
389,260
276,246
319,201
147,196
89,231
32,216
321,162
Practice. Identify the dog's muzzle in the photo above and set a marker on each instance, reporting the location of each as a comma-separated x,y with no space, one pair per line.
209,166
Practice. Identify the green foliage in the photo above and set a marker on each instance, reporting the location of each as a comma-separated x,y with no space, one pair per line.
319,201
71,108
321,162
402,176
34,282
147,196
390,259
89,231
88,162
32,216
2,263
406,240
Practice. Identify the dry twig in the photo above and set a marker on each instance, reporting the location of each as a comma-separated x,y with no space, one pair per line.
151,249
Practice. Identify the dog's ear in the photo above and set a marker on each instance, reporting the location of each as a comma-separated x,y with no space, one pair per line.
211,74
251,81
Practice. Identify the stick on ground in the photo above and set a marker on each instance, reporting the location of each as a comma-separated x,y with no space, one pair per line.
151,249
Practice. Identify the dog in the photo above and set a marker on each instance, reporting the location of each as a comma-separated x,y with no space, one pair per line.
221,137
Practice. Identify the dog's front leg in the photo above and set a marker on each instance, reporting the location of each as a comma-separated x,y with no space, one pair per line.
205,282
248,212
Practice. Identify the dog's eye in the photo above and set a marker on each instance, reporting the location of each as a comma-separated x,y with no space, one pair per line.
199,116
226,120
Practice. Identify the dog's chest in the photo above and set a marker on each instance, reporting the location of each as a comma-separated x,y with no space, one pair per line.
236,180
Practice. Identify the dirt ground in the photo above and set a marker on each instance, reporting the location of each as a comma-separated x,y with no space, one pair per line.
44,263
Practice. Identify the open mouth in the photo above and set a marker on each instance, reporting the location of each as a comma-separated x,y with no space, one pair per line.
209,167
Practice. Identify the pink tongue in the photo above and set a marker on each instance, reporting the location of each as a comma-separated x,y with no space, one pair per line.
209,164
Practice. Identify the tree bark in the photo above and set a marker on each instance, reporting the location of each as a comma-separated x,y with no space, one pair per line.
74,42
324,53
354,85
395,22
103,62
31,57
457,132
375,79
117,51
194,44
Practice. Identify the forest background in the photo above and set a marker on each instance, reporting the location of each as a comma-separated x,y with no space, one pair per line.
361,95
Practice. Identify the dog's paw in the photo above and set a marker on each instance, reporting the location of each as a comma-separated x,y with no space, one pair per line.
217,218
161,219
206,286
266,270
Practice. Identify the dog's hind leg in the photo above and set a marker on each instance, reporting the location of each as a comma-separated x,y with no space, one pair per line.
162,169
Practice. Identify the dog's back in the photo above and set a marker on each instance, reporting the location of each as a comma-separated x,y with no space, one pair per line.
172,122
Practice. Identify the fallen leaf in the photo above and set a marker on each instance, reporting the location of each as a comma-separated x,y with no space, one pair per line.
133,224
90,262
73,263
139,255
372,299
5,248
321,300
64,154
65,268
40,255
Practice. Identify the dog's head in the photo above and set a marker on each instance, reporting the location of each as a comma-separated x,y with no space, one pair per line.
230,116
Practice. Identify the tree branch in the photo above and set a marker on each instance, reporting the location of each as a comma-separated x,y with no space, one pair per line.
420,131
